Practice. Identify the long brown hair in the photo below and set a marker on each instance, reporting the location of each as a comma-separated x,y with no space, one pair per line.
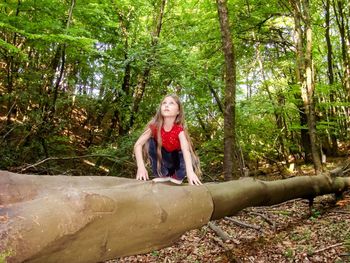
158,121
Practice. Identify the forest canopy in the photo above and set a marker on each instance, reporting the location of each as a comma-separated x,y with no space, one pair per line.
79,80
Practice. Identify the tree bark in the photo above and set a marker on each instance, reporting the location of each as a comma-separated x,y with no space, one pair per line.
61,68
330,73
11,71
118,118
230,93
93,219
283,155
339,7
216,96
305,74
310,90
144,78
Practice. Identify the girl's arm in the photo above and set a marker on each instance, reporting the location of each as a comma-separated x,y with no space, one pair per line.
142,173
191,176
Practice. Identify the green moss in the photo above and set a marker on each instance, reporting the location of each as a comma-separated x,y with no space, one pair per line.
289,253
4,255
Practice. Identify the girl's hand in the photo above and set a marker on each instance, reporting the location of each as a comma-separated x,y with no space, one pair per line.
193,179
142,174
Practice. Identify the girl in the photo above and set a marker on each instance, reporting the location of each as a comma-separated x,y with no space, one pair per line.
168,146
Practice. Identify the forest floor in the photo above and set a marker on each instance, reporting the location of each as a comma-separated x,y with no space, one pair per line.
288,232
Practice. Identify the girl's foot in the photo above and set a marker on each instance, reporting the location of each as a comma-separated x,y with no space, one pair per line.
175,180
161,179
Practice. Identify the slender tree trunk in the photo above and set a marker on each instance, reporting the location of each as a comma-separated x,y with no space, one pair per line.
10,71
204,127
278,116
216,97
143,79
61,68
305,73
124,99
343,25
332,111
230,93
308,97
300,78
9,86
57,71
339,7
49,108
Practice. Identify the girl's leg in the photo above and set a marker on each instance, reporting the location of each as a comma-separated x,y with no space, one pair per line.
152,151
180,168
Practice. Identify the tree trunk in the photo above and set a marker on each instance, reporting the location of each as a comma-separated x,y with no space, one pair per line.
339,7
283,155
310,90
216,96
11,70
304,135
203,125
143,79
332,111
305,74
124,99
93,219
230,93
60,67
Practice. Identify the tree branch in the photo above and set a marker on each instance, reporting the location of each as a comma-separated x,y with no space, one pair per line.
25,168
222,234
240,223
329,247
267,219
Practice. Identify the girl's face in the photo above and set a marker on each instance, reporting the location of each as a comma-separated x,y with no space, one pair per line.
169,107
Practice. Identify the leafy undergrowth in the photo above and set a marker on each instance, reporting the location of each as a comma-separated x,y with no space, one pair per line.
288,232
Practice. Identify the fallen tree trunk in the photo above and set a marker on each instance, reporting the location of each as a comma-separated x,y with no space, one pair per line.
93,219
